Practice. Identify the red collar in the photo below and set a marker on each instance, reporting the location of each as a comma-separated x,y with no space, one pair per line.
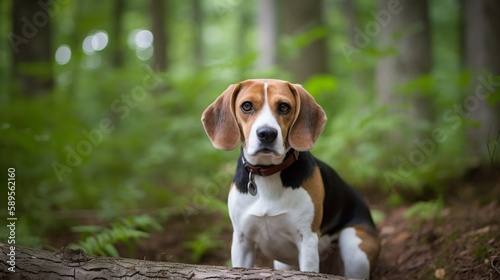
268,170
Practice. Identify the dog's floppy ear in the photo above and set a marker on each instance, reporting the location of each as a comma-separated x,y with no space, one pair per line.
309,120
219,120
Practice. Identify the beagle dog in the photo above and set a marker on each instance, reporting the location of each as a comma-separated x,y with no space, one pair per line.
290,205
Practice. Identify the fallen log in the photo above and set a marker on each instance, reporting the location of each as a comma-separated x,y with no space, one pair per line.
29,263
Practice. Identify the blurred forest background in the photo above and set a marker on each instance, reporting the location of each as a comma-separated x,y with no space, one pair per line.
101,104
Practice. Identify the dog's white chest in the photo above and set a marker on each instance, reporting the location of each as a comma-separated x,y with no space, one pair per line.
276,219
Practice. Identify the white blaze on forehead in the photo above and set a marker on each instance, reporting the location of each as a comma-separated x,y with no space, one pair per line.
265,118
265,92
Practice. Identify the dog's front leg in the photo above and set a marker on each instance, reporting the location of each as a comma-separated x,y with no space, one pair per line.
242,250
308,252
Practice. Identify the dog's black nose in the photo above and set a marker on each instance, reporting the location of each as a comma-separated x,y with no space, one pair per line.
267,134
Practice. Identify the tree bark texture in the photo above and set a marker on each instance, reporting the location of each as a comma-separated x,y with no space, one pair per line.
482,57
75,264
299,16
351,14
31,46
117,59
160,42
197,26
266,25
408,30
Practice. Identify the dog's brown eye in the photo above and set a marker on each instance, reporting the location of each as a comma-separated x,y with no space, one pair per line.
283,108
246,107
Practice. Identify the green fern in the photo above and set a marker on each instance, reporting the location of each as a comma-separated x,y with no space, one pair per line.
97,240
202,244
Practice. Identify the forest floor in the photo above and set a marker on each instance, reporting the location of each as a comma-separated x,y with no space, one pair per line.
463,242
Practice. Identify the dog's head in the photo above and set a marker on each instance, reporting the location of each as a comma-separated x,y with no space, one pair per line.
268,116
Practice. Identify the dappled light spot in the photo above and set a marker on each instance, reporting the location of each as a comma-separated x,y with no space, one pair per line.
144,54
141,40
64,79
63,54
97,40
92,61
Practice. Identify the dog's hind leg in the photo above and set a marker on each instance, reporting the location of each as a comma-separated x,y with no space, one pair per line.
359,249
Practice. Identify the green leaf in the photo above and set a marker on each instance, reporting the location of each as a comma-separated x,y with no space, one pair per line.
425,210
318,84
377,215
422,85
111,250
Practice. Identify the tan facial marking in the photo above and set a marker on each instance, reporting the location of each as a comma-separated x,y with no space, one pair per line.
277,94
254,94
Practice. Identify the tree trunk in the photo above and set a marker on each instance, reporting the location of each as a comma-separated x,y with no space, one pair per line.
349,8
240,42
31,45
266,25
302,16
198,32
482,57
157,10
75,264
412,60
362,79
116,42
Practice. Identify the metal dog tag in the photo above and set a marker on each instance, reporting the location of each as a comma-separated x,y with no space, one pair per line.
252,187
